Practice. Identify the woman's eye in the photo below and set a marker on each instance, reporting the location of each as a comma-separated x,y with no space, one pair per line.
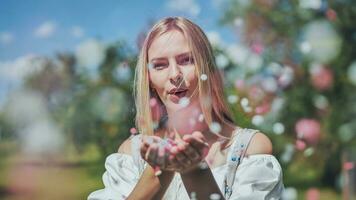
186,60
159,65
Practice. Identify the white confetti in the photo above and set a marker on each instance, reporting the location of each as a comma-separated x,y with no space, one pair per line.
221,61
288,153
351,73
203,165
215,127
278,128
320,102
305,47
215,196
309,151
201,117
232,99
247,109
289,194
203,77
257,120
184,102
244,102
193,196
192,121
150,66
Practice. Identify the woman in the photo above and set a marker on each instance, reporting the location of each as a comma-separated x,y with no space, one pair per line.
188,147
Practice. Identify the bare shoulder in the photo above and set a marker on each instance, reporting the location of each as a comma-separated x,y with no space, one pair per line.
260,144
125,147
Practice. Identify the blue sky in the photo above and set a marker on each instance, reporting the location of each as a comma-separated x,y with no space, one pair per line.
43,27
46,27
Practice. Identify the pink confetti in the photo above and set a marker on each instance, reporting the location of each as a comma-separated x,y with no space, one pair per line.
133,131
348,165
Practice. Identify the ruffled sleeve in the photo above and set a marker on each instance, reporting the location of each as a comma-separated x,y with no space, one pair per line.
258,177
119,179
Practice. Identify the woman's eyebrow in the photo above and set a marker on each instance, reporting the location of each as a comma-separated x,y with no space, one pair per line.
177,56
183,55
158,59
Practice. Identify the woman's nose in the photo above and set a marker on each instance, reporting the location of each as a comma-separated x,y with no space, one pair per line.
175,75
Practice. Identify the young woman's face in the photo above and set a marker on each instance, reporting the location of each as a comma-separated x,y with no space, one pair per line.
172,70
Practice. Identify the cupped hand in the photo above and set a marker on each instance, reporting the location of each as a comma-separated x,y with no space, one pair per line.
180,155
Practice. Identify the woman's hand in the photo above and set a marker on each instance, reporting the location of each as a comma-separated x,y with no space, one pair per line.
180,155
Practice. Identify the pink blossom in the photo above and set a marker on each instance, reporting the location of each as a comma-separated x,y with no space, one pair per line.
133,131
257,48
322,78
263,108
312,194
240,84
308,130
300,145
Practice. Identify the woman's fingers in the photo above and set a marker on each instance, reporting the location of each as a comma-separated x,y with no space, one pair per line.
143,149
146,142
161,157
192,153
151,154
196,140
172,155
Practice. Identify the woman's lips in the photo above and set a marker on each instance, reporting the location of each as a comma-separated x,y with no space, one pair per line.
174,97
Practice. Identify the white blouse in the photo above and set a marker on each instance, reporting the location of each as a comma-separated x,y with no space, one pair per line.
257,177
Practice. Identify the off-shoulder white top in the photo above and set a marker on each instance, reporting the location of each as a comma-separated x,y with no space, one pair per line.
257,177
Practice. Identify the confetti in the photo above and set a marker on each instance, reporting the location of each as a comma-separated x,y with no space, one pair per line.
215,196
184,102
321,102
244,102
215,127
348,165
201,118
150,66
133,131
192,121
193,196
257,120
203,77
203,165
278,128
153,102
290,193
247,109
232,99
309,151
351,73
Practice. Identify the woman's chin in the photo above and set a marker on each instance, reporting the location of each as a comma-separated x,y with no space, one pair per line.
186,119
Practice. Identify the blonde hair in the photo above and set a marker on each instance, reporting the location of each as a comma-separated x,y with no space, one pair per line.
214,110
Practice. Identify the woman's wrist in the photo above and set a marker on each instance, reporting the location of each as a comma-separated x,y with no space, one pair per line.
199,168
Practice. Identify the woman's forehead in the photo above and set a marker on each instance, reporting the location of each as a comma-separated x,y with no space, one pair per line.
169,44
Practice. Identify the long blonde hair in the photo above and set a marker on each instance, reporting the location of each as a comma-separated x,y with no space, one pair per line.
214,110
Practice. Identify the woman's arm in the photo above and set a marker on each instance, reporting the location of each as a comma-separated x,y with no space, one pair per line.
202,182
151,186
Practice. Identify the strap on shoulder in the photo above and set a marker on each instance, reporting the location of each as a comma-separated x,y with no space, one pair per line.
238,152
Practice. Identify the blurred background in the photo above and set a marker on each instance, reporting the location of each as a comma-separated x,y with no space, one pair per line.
66,77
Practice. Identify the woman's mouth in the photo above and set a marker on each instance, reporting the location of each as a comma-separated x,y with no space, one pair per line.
176,95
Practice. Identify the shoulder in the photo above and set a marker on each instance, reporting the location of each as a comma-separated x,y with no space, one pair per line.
259,144
125,147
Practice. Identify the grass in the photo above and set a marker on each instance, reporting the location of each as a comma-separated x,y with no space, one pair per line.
69,176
